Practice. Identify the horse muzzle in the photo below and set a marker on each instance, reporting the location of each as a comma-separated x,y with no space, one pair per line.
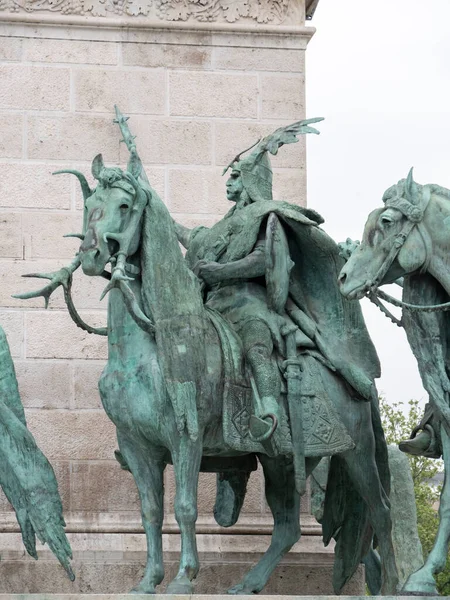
93,261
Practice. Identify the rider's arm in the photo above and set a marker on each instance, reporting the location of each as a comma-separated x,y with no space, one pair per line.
183,234
253,265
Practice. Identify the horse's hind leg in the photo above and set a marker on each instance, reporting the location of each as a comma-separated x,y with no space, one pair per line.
148,475
186,459
422,581
284,502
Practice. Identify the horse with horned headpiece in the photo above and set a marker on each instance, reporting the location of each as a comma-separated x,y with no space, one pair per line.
176,372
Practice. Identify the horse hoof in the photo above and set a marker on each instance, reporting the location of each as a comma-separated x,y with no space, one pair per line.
180,586
242,589
420,584
144,588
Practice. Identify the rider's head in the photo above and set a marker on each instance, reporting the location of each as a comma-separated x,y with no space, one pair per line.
250,176
234,184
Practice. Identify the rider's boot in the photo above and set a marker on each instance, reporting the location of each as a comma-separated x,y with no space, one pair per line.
258,346
265,420
424,441
423,444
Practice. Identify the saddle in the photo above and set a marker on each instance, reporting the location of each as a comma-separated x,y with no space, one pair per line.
324,433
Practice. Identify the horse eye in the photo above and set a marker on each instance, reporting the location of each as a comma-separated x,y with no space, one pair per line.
386,221
124,207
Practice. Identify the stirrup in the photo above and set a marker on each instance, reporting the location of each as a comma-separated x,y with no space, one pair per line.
260,430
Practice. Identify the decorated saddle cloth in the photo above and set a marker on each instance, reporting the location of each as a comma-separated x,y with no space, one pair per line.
324,433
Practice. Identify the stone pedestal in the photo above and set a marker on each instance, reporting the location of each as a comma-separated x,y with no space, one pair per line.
113,563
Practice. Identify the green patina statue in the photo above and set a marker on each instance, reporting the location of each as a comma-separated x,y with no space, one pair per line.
243,350
408,239
26,476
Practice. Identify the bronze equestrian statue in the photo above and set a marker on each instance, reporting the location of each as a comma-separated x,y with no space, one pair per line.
243,351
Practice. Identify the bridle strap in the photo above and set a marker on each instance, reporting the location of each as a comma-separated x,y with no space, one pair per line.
414,215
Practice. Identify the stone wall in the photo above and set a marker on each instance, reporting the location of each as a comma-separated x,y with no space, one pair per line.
197,92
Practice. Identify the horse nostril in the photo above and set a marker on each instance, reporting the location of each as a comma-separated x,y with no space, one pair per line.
342,277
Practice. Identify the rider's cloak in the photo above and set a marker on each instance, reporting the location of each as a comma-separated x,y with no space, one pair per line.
339,332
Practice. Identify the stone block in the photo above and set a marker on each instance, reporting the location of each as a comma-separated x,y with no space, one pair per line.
172,142
43,237
24,87
70,51
259,59
45,384
11,235
13,324
11,48
232,137
197,191
86,377
73,435
86,291
73,137
54,335
134,91
12,282
102,486
283,97
290,185
11,140
28,185
109,578
213,94
169,56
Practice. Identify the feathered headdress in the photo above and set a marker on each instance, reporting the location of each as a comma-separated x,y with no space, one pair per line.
256,170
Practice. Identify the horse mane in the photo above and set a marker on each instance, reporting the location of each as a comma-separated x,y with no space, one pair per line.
398,190
169,288
439,190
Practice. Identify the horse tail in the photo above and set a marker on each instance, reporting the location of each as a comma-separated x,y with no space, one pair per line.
230,495
345,519
346,514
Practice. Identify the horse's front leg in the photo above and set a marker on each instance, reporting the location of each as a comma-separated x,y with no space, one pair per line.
186,462
422,581
147,469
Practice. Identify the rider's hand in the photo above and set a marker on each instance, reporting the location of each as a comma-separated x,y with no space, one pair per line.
208,271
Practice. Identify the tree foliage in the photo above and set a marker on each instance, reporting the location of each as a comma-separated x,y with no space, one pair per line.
398,422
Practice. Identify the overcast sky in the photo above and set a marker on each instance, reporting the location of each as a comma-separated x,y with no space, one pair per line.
379,72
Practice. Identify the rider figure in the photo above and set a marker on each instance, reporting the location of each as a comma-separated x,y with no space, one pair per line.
236,289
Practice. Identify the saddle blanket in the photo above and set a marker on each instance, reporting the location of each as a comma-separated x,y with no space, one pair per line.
324,433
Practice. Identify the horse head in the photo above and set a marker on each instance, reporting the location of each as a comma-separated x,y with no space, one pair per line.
395,242
113,213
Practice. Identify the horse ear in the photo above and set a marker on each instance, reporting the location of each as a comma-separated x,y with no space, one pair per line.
411,188
97,166
134,166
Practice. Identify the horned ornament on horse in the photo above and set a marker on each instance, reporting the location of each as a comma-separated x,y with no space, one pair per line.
408,238
183,379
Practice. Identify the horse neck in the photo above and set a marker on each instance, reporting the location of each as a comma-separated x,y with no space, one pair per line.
437,222
169,288
127,342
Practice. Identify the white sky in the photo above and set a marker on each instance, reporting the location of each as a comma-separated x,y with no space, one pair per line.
379,72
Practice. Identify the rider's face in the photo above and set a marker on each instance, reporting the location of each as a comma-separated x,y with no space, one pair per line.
234,186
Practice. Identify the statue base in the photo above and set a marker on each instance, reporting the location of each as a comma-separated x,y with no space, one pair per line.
114,563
